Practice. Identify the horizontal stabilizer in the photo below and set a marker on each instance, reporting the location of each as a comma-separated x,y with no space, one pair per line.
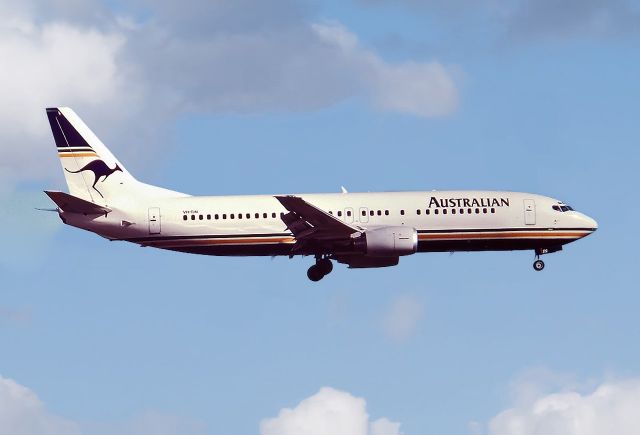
73,204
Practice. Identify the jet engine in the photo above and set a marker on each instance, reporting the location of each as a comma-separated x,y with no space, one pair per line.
388,242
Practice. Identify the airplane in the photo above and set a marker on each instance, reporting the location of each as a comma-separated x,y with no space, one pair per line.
360,230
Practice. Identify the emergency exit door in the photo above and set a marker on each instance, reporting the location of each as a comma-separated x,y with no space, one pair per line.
154,220
529,212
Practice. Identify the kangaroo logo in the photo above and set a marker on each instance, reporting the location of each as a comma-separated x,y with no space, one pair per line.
99,169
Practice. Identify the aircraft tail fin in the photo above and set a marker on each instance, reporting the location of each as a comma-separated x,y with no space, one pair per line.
92,173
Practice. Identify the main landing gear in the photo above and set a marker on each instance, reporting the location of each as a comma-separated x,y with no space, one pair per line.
323,267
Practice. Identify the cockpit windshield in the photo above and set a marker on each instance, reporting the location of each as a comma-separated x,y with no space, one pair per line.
562,207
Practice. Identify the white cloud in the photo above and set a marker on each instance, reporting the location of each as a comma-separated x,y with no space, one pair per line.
23,413
610,408
403,317
131,75
328,412
424,89
49,64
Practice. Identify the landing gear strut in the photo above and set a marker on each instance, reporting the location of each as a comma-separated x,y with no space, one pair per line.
323,267
538,265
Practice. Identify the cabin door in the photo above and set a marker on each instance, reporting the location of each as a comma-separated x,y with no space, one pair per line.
529,212
154,220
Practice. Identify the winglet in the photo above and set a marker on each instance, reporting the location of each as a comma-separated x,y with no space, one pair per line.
73,204
343,189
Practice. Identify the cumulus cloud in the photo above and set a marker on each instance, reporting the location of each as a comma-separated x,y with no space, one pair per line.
23,413
48,64
402,317
328,412
132,75
610,408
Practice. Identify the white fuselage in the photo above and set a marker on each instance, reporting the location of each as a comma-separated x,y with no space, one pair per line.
252,225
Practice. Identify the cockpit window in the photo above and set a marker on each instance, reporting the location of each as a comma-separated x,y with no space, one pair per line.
562,208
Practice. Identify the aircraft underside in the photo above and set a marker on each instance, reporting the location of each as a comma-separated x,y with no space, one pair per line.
277,249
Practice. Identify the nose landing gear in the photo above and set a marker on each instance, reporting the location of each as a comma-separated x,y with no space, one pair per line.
538,265
323,267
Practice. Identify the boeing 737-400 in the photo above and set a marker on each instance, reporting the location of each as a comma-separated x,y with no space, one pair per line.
361,230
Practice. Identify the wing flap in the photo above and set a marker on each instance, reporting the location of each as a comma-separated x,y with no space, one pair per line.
308,223
73,204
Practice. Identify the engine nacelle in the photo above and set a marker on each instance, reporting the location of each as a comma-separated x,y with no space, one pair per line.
388,242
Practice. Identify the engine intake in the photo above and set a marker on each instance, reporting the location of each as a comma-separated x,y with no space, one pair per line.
388,242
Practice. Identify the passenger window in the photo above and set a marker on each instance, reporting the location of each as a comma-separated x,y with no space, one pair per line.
200,217
217,217
477,211
264,215
248,216
428,212
193,217
444,211
331,212
371,212
257,215
364,212
224,216
402,212
208,217
232,216
273,215
386,212
418,212
436,211
484,210
462,211
184,217
469,211
348,212
339,213
379,212
493,210
281,214
239,215
453,211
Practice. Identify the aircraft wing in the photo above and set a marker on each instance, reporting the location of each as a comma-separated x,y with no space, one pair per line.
310,225
73,204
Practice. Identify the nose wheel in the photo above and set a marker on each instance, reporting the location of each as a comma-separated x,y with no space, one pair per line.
538,265
323,267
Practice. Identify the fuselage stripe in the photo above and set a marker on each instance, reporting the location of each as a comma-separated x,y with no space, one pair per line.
226,241
423,236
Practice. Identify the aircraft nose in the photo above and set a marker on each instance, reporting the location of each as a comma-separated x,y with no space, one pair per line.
589,222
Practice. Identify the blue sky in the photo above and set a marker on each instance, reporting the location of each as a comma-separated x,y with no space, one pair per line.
288,96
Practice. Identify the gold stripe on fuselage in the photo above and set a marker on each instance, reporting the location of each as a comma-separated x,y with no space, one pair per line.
63,155
234,241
